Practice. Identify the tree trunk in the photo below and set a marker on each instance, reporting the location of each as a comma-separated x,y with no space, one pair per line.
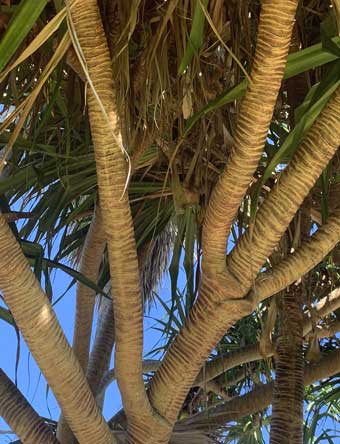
287,416
90,42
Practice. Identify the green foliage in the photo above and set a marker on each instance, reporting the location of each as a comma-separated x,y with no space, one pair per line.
23,19
51,176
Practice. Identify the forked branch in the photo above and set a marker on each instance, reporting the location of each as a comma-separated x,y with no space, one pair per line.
294,184
213,314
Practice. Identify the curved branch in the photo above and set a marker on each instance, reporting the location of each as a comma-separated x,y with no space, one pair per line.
20,415
182,437
324,307
91,257
220,365
102,348
149,365
258,399
295,265
36,320
274,35
91,46
325,331
251,353
278,209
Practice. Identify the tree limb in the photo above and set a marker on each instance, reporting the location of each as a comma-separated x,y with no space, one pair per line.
325,331
36,320
257,399
272,46
91,257
149,365
20,415
294,184
90,43
214,313
251,353
102,348
232,359
295,265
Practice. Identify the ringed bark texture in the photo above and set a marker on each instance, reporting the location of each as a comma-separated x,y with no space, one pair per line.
21,417
258,399
288,393
278,209
292,267
37,322
220,365
272,47
207,322
214,313
117,221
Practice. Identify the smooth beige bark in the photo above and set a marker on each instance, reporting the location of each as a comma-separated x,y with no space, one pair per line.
91,257
102,348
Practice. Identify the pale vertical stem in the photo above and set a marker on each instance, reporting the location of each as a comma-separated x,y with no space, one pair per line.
91,258
102,348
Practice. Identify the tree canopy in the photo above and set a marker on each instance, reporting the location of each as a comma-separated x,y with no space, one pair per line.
191,139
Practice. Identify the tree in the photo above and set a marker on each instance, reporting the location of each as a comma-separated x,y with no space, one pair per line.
210,127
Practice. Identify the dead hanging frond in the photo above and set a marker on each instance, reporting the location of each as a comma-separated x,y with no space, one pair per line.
153,260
